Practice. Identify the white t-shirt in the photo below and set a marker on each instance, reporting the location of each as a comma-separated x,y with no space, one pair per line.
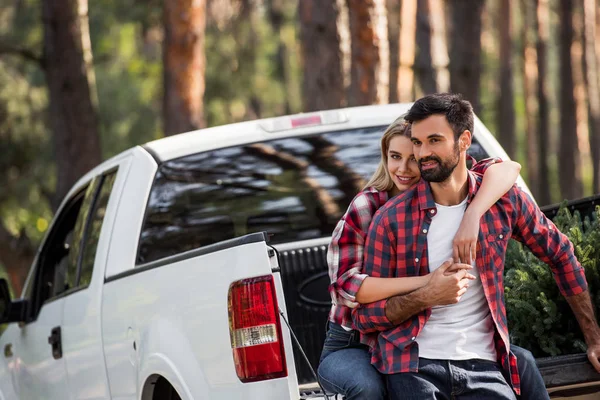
464,330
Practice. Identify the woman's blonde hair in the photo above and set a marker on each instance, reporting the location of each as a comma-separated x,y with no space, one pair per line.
381,179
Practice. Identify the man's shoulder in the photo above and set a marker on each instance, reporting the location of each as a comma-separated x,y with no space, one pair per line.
514,192
514,201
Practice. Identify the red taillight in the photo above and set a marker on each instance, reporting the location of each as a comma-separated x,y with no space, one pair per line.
255,330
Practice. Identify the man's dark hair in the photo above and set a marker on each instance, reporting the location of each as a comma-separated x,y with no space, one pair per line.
458,112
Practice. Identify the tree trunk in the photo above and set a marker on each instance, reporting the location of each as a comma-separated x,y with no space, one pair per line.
543,131
184,65
393,11
568,171
247,40
323,86
584,162
68,67
370,52
16,255
593,85
465,49
506,109
71,83
423,62
408,29
277,19
439,44
531,105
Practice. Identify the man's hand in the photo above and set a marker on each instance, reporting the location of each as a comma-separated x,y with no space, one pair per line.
448,283
593,353
464,245
446,286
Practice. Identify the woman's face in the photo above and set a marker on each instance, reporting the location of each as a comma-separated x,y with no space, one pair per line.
401,164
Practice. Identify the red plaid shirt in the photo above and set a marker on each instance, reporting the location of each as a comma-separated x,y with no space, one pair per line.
345,252
396,246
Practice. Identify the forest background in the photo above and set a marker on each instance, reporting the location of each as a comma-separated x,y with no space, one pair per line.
81,82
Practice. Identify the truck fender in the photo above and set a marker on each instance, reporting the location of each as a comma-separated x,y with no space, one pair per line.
159,365
166,351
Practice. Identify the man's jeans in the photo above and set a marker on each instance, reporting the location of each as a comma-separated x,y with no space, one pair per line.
443,379
532,383
345,367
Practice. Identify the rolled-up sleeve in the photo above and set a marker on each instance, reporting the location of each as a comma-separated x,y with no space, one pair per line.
379,261
346,249
344,258
549,244
482,165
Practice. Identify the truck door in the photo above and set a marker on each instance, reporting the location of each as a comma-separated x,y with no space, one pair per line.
81,324
40,371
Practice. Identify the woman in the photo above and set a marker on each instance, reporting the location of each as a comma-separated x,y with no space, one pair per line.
345,366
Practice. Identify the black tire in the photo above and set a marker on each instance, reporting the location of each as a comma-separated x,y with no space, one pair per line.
164,391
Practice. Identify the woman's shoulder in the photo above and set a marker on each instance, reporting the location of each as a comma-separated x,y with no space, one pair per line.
482,165
369,197
363,207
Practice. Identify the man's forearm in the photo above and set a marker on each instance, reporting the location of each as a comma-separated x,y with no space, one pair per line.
582,308
400,308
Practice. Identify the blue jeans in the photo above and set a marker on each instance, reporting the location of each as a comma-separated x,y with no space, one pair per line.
449,380
532,383
345,367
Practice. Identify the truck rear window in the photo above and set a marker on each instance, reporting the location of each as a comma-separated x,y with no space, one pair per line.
294,189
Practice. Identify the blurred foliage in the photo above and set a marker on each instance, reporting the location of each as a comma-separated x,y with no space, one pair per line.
243,77
244,80
25,147
539,317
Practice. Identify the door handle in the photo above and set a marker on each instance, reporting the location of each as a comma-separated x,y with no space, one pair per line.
8,350
55,340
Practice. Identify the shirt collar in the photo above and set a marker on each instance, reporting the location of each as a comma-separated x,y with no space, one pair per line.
425,196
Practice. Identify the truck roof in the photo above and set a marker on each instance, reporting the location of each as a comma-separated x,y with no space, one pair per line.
274,128
295,125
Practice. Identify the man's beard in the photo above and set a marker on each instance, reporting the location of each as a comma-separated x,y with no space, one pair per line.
444,168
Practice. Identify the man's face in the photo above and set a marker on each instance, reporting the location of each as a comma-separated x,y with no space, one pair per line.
434,147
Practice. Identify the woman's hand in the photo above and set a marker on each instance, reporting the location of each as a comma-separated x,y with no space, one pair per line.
464,245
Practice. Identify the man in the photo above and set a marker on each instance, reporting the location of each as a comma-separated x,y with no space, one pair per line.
429,343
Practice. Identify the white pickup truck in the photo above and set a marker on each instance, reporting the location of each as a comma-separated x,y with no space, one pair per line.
156,281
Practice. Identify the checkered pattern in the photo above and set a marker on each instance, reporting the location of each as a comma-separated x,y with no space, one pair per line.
396,246
345,252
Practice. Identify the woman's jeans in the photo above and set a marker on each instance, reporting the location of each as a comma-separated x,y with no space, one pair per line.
345,368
